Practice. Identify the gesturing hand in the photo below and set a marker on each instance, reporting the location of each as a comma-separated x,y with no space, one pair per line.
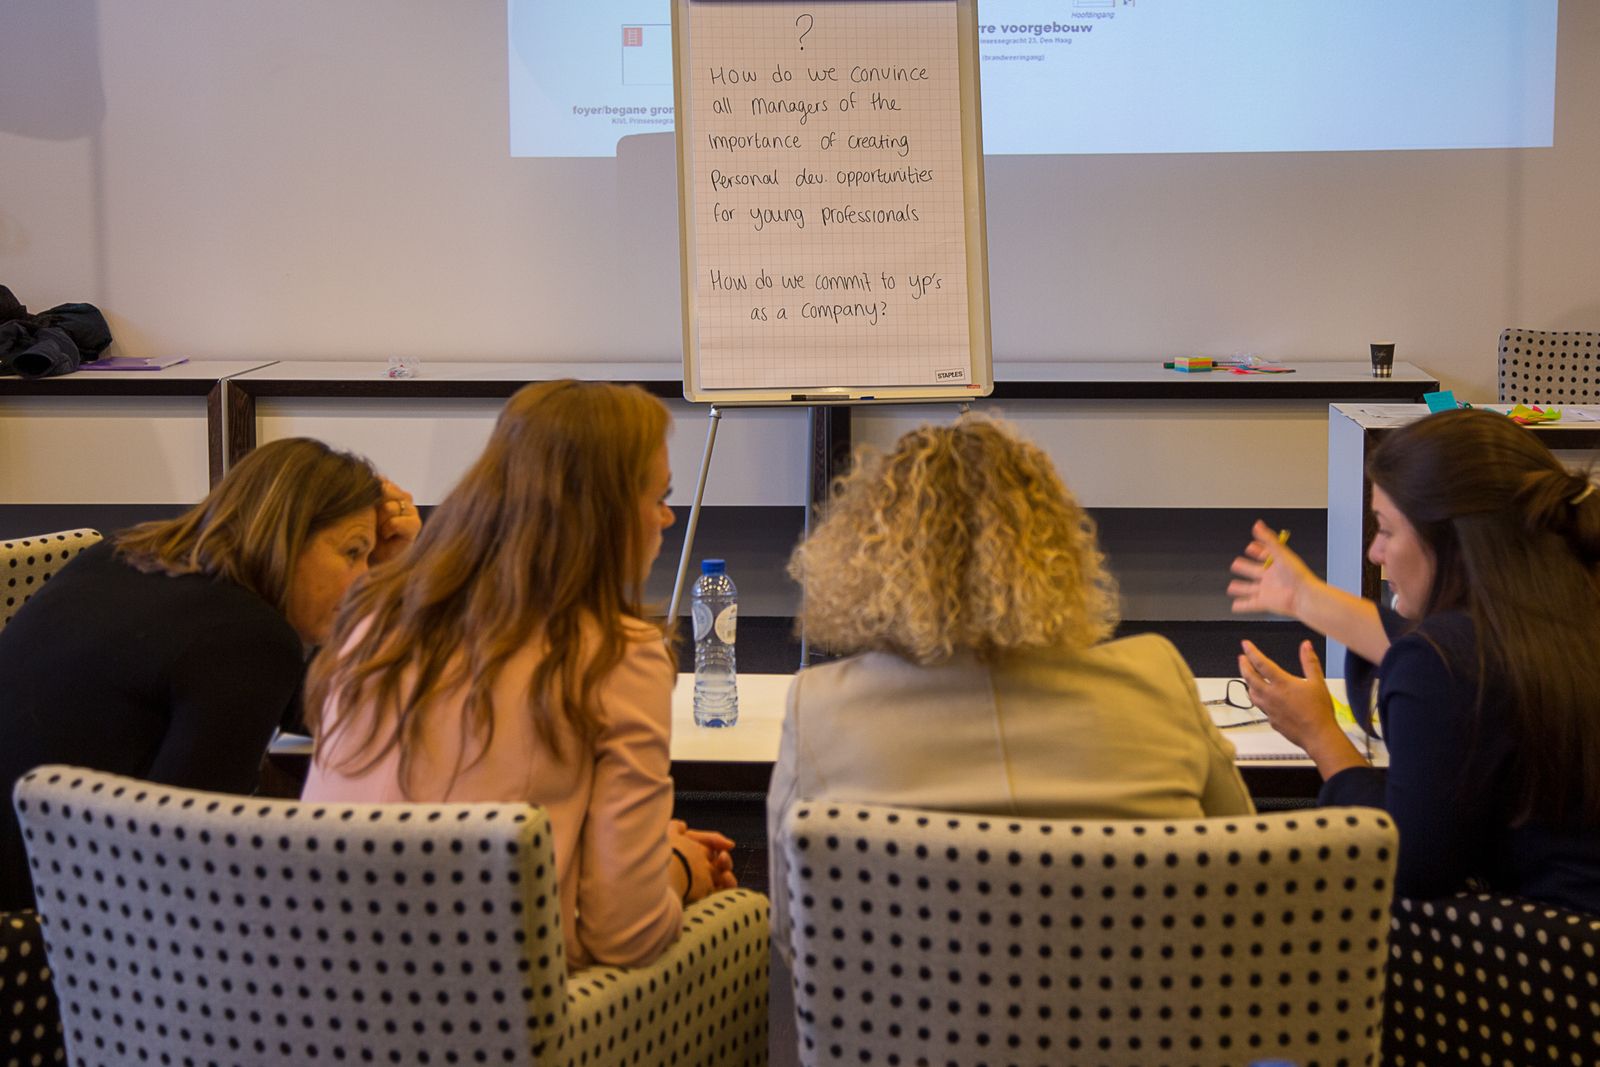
1299,708
1269,576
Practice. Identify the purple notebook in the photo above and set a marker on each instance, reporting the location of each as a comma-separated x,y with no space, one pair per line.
135,363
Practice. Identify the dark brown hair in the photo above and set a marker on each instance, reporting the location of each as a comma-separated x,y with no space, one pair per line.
252,527
542,536
1515,539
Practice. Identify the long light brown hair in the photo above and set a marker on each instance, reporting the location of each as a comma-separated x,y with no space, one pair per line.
962,539
541,537
252,527
1515,539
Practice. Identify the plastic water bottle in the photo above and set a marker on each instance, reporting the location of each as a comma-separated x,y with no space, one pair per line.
715,606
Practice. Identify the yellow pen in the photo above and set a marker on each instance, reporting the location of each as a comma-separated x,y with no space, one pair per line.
1283,539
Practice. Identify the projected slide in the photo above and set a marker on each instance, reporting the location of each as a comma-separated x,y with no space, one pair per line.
585,74
1089,76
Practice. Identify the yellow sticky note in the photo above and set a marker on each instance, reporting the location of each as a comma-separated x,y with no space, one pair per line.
1530,415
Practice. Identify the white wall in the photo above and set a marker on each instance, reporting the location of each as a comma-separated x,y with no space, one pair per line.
330,178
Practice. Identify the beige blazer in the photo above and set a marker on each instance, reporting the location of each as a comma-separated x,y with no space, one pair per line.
1116,731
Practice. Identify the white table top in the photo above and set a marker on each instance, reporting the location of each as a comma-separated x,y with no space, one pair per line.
1151,371
348,370
763,699
1124,371
1044,373
209,370
1374,416
753,739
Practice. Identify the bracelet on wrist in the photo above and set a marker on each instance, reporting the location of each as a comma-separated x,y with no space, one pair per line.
688,875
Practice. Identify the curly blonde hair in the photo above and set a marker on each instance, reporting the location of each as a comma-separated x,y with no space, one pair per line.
963,538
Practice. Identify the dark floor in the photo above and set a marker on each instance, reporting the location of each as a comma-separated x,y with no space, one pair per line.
767,646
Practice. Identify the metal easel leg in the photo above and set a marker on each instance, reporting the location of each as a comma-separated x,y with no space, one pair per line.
813,420
829,455
715,416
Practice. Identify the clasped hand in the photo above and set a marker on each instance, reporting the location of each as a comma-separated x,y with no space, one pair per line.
710,857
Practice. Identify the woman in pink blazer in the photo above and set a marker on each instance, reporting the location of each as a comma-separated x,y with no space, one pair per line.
509,659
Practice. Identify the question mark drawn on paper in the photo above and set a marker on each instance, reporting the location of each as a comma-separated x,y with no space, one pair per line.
809,22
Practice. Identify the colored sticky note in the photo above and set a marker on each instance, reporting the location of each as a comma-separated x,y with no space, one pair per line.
1532,416
1443,400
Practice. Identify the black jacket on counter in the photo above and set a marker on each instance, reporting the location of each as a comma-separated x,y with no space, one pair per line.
56,341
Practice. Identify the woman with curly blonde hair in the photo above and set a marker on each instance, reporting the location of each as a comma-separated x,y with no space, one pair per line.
965,583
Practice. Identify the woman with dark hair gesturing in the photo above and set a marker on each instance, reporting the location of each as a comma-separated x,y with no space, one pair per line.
1487,667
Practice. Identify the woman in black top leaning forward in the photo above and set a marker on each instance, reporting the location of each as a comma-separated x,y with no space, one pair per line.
172,651
1487,668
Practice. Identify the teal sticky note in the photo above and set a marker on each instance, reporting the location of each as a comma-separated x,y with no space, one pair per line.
1443,400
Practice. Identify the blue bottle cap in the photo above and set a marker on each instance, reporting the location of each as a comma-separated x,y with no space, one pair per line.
713,566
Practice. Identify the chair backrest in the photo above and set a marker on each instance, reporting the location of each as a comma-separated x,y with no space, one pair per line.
30,1024
194,927
967,939
1549,367
26,563
1483,979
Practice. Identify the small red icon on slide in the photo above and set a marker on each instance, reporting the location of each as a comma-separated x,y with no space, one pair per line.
632,36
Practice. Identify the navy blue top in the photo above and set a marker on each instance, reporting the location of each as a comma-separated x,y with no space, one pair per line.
1448,786
179,681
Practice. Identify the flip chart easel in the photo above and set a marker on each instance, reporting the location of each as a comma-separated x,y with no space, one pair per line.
830,201
831,206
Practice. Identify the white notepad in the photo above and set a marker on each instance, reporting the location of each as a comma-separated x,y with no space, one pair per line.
1258,741
1262,742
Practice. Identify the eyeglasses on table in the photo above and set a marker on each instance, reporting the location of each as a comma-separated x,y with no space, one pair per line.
1237,697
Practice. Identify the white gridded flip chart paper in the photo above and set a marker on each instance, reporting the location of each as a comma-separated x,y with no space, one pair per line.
831,200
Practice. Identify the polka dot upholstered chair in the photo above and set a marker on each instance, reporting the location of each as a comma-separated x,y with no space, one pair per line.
1495,981
195,928
30,1025
1548,367
26,563
930,938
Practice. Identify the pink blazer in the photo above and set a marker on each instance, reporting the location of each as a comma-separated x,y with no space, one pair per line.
609,801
